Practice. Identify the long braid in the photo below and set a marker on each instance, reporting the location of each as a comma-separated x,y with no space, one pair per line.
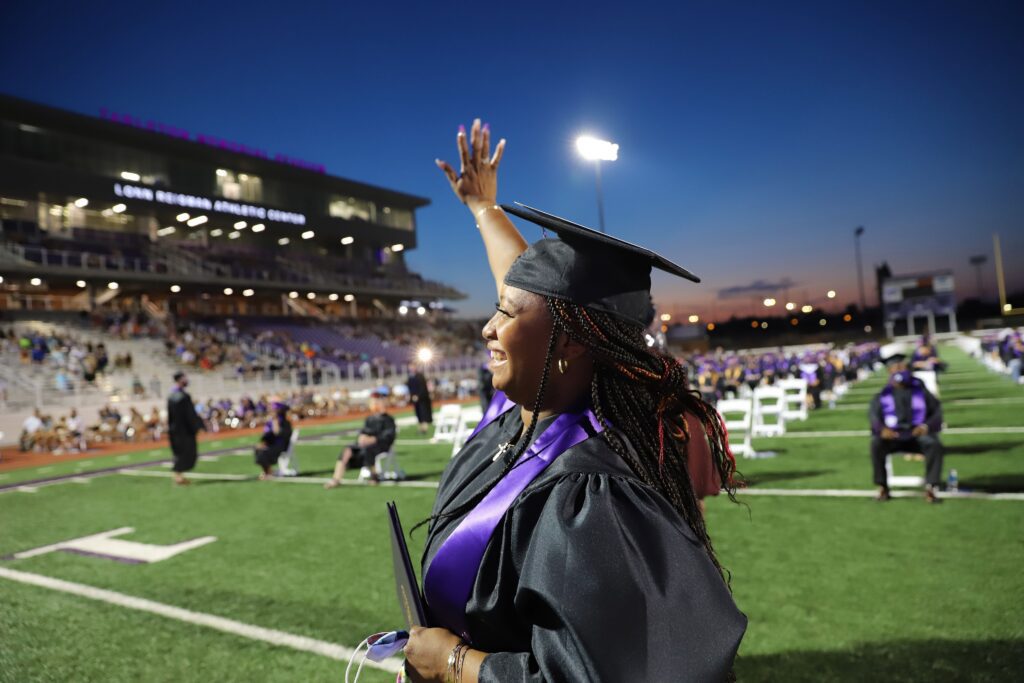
647,394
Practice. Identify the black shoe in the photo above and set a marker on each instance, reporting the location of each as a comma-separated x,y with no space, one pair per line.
930,496
883,495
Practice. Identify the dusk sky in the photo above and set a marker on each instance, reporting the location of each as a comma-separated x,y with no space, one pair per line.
754,136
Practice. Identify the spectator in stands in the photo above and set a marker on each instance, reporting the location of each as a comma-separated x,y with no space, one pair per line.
376,437
277,434
419,394
182,426
905,417
29,430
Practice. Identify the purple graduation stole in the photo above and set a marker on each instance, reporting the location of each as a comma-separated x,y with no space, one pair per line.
448,583
917,404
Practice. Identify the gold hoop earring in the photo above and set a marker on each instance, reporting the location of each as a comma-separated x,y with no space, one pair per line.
563,365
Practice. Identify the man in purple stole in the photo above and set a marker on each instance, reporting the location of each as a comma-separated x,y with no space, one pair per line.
905,417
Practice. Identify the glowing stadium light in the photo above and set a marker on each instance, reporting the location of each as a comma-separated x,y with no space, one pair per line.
118,208
228,291
333,296
867,328
112,285
293,295
806,308
221,172
259,227
794,322
347,240
175,289
831,294
1007,308
769,302
182,217
403,310
35,282
711,327
81,202
169,230
764,325
754,323
397,247
350,297
790,305
216,232
593,149
198,220
823,322
128,175
240,225
308,235
424,355
311,296
234,235
283,241
694,318
847,318
79,283
665,317
420,310
247,292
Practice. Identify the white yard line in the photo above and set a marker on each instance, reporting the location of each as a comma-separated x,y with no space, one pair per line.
280,480
952,402
340,653
865,432
866,493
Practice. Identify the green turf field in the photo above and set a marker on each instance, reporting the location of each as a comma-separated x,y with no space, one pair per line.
837,589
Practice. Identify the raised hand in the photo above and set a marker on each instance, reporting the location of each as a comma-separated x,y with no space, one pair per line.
476,183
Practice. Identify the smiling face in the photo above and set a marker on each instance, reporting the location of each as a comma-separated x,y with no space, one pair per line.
517,337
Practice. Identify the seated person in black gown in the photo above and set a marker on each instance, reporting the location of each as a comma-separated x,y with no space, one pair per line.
905,417
926,357
567,541
277,435
376,437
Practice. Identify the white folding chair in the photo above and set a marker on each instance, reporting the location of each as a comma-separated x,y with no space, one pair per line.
469,418
446,422
737,414
769,401
903,481
288,462
796,398
929,379
387,468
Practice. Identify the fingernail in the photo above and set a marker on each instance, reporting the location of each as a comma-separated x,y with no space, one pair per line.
487,127
462,129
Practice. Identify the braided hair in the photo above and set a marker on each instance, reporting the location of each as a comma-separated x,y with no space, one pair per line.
643,395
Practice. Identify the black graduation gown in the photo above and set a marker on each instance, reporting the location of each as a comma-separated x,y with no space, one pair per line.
418,390
590,576
182,426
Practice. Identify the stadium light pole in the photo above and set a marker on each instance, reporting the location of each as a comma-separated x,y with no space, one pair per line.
860,270
595,150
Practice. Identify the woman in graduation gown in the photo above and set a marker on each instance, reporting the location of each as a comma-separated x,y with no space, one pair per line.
566,542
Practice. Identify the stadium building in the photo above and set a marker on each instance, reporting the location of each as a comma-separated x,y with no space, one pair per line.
126,213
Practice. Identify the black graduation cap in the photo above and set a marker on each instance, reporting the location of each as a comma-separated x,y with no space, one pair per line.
895,358
589,268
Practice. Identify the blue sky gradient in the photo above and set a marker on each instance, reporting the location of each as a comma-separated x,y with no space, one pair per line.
753,138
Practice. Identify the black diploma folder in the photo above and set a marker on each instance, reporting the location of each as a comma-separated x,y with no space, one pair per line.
409,599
